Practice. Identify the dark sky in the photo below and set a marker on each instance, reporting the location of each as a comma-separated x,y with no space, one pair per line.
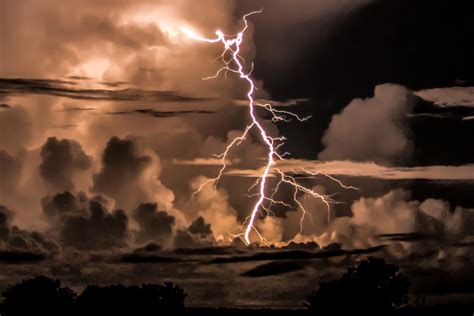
418,44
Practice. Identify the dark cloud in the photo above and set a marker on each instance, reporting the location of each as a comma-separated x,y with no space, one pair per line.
61,159
99,230
162,114
275,268
406,237
21,240
19,245
150,247
197,235
186,240
62,88
311,246
15,257
4,223
207,251
200,227
60,204
77,109
147,258
122,168
296,254
154,225
85,222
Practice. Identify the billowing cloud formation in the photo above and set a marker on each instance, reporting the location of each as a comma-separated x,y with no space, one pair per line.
200,227
198,234
60,204
213,205
395,213
185,239
314,221
371,129
61,160
16,240
111,56
455,223
4,223
99,230
85,223
122,40
389,214
154,225
130,176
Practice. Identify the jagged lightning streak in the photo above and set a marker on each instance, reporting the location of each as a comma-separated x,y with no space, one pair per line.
232,44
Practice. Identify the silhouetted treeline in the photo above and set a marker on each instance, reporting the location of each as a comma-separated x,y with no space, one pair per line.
372,287
44,295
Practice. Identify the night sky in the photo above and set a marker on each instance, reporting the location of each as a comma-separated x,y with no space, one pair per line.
107,133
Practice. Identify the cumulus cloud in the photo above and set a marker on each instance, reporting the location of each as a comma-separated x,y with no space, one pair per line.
455,223
396,214
16,240
113,54
60,204
198,234
61,160
100,229
372,129
130,176
200,227
213,205
4,223
153,225
85,222
315,220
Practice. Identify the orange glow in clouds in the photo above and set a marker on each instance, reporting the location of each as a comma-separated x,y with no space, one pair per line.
233,63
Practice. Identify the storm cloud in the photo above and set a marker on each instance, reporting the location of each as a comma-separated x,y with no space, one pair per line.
61,160
100,229
130,176
372,129
153,225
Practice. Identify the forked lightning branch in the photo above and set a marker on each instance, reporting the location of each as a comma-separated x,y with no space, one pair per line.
233,62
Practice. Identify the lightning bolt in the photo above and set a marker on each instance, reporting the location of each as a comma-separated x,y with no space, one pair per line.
234,64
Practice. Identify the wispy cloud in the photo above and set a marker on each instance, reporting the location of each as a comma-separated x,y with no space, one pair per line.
161,114
289,102
449,96
367,169
203,162
71,89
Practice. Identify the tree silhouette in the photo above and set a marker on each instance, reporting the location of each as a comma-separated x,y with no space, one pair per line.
371,286
39,293
44,295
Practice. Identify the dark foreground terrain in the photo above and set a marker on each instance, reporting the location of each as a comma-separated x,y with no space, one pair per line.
372,287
